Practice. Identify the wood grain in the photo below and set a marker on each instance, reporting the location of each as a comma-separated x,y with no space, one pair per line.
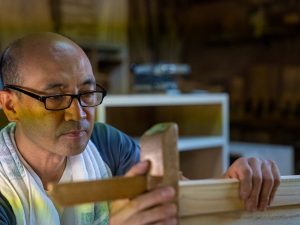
67,194
159,146
217,201
287,215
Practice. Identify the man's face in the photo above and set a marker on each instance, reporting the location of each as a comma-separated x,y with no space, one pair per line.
62,70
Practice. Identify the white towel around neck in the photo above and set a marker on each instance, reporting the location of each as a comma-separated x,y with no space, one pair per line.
24,189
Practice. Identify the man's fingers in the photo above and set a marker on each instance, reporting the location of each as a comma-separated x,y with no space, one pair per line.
139,169
244,174
153,207
252,201
172,221
152,198
267,185
276,178
161,214
145,201
259,180
245,185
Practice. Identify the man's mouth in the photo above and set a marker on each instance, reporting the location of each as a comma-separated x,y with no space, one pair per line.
75,134
74,130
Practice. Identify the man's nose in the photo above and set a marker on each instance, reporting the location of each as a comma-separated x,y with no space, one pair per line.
75,112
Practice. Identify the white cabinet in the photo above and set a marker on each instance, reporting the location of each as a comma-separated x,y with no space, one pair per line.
202,121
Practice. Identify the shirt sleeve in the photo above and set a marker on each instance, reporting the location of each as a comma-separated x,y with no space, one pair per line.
119,151
7,216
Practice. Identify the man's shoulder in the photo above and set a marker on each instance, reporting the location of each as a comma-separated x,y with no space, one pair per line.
106,132
117,149
102,127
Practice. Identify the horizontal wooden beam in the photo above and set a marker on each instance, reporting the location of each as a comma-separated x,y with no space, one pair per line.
222,195
287,215
217,201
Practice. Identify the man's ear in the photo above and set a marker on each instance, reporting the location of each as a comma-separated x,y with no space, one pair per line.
7,100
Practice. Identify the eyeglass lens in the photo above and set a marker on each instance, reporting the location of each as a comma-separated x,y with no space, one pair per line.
64,101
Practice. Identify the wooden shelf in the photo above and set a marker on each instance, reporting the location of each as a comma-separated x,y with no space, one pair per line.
196,143
163,99
202,120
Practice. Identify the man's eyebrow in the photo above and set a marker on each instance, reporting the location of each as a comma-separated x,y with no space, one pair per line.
89,81
53,86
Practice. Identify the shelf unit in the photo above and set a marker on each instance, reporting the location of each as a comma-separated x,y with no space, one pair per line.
202,121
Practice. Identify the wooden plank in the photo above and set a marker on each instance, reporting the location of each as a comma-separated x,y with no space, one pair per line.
159,146
288,215
217,201
68,194
222,195
214,201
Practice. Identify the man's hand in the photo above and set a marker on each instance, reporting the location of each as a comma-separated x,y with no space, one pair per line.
259,181
153,207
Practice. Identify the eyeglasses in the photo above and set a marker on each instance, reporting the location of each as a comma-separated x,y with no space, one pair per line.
63,101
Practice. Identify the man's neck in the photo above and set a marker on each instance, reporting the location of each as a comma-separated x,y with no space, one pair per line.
48,166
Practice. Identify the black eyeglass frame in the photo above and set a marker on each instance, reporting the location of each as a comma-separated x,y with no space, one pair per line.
43,98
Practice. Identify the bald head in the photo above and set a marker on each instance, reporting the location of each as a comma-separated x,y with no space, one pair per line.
32,49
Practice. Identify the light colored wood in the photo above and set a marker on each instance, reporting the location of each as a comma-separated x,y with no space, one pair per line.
201,202
159,146
69,194
288,215
222,195
217,201
212,201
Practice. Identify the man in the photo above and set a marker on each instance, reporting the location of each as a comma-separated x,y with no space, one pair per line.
50,95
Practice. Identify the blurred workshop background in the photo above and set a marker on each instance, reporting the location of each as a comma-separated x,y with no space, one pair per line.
223,69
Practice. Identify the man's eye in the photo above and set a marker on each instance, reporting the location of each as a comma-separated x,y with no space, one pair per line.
56,98
88,95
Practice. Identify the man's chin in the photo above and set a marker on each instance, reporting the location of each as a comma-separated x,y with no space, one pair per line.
72,149
74,152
